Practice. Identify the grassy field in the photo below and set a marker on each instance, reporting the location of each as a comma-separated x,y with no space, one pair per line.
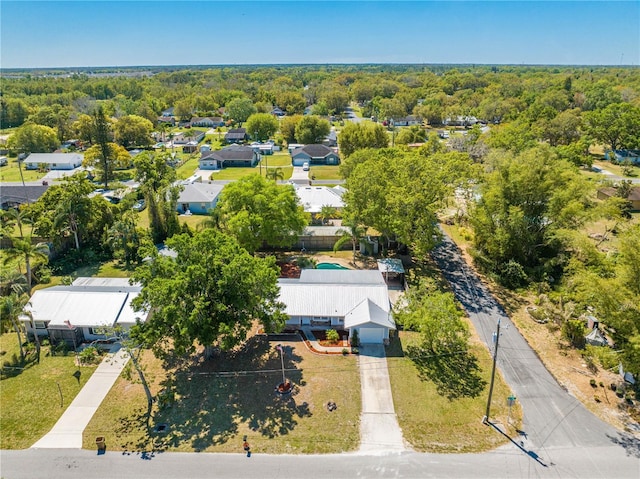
217,402
429,420
11,172
615,169
326,172
31,399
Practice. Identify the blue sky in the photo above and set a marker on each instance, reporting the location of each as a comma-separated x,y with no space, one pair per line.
125,33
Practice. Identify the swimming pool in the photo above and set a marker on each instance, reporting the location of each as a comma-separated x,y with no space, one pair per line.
330,266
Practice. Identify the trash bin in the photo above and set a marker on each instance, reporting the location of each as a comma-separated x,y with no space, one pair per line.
100,443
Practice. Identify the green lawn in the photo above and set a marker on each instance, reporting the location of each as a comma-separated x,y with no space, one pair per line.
615,169
30,399
430,421
11,172
326,172
188,168
217,402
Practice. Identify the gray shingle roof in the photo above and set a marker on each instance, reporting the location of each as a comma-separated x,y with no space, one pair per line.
18,194
231,153
314,151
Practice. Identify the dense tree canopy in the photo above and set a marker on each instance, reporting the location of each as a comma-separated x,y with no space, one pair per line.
261,126
356,136
133,130
312,129
210,294
261,213
524,200
32,138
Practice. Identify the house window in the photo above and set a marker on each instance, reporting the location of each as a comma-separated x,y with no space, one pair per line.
40,324
53,165
203,205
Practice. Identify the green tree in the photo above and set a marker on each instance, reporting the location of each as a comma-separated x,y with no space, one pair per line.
524,201
157,179
210,294
183,110
275,174
564,129
11,308
291,102
240,109
24,250
125,238
258,212
105,159
13,112
352,233
83,128
260,126
32,138
312,129
133,130
617,125
288,127
412,134
358,136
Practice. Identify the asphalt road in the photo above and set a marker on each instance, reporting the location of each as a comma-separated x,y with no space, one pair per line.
552,417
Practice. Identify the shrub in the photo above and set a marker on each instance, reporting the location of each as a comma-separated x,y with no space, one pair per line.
332,335
355,340
89,355
345,351
593,384
574,330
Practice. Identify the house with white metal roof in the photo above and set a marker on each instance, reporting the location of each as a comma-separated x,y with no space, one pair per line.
313,198
356,300
80,312
53,161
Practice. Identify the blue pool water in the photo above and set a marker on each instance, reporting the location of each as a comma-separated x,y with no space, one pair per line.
330,266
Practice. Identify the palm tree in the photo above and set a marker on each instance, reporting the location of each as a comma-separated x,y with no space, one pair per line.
353,233
14,217
275,174
23,249
327,212
12,281
12,307
68,215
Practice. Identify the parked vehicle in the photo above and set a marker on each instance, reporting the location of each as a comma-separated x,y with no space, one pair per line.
305,166
139,205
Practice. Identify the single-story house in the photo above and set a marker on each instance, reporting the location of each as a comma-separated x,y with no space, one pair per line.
331,140
321,238
53,161
235,155
190,147
621,156
633,198
166,119
208,121
262,148
198,198
314,155
293,146
278,112
461,121
313,198
184,138
236,135
78,313
168,112
357,300
407,121
14,195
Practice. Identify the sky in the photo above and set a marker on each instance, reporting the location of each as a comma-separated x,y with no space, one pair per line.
176,32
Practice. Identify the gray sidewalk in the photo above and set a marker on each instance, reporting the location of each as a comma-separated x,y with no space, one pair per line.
67,432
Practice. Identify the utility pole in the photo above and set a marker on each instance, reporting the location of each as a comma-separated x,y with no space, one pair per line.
485,419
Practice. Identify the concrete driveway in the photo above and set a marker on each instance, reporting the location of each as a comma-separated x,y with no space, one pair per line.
379,429
299,176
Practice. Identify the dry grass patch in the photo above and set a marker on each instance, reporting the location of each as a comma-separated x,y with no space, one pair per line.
432,423
211,405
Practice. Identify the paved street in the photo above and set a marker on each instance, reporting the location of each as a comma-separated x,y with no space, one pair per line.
552,417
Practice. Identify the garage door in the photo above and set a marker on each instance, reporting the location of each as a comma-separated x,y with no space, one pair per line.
371,335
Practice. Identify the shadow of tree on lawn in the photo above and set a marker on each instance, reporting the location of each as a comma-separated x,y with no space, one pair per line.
456,375
206,401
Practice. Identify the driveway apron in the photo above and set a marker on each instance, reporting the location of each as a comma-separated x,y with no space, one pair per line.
379,429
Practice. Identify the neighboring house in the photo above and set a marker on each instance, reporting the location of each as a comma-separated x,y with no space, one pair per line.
14,195
243,156
167,119
357,300
313,198
75,314
184,138
633,198
262,148
278,112
314,155
461,121
208,121
53,161
621,156
236,135
407,121
294,146
331,140
198,198
168,112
